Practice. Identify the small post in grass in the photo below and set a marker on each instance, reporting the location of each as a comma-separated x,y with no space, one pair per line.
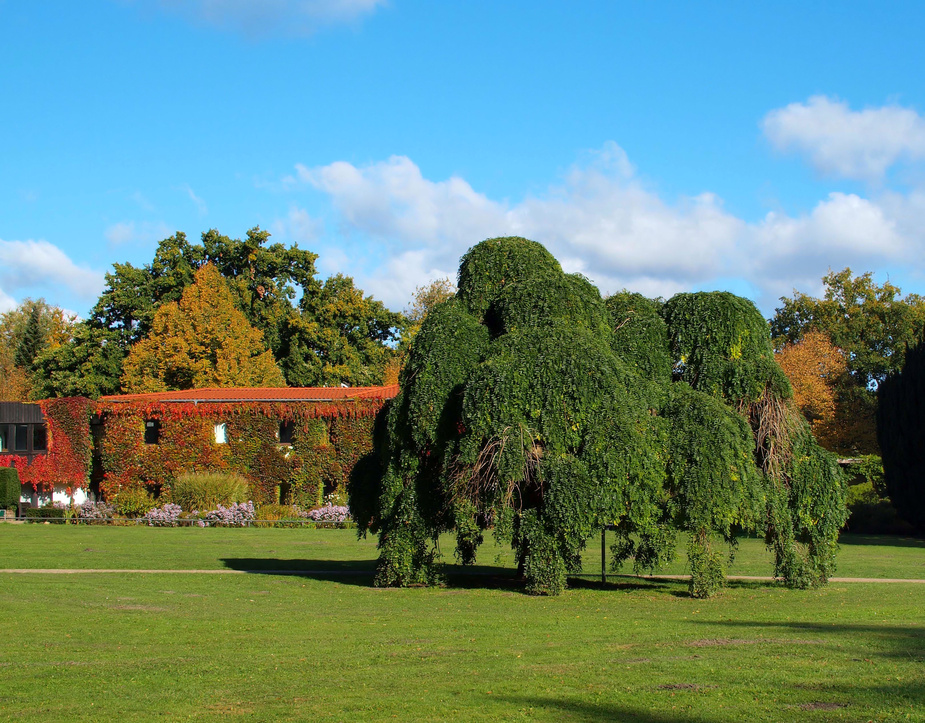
603,556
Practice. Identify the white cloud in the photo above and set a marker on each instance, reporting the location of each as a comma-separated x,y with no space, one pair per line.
40,264
125,232
842,142
600,221
299,227
781,253
200,204
604,222
262,18
7,302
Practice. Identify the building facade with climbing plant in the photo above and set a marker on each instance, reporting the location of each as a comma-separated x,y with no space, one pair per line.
294,445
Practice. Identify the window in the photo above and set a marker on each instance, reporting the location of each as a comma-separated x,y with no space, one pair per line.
285,432
152,431
220,433
39,438
4,447
21,442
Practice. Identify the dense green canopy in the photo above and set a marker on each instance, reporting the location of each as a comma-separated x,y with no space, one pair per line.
532,407
319,332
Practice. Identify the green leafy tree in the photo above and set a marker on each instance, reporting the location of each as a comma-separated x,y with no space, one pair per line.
32,341
424,299
201,341
530,406
88,366
340,336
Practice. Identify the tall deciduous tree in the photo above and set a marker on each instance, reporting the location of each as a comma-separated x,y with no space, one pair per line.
872,324
201,341
314,340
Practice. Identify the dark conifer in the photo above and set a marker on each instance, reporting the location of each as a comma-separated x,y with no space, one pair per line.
32,341
901,434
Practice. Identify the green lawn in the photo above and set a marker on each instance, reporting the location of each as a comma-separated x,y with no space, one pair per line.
329,647
60,546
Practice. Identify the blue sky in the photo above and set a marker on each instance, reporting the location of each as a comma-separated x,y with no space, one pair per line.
658,147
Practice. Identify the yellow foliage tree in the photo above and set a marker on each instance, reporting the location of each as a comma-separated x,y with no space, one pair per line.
201,341
814,366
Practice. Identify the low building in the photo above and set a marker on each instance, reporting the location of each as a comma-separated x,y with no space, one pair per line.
294,444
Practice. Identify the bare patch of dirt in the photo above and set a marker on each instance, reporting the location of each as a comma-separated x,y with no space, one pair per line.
684,686
713,642
231,709
145,608
819,705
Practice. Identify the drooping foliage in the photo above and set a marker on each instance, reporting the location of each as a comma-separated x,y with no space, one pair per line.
640,336
900,432
721,347
493,264
530,406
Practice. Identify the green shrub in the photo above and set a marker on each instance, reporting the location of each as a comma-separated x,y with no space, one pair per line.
10,488
862,494
133,503
206,490
45,513
278,516
877,518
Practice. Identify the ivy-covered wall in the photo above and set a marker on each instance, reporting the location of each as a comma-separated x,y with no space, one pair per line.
67,460
327,441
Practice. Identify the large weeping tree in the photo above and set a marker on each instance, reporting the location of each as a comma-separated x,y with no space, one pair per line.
532,407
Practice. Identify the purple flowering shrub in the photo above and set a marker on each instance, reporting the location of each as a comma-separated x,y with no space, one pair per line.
100,511
165,516
240,514
331,514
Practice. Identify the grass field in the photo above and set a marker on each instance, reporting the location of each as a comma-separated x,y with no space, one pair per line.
326,646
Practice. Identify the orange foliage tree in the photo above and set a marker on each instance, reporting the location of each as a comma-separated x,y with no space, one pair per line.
814,365
201,341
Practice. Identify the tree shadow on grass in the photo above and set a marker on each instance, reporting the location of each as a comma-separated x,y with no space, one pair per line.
880,540
346,572
862,644
906,643
581,711
475,577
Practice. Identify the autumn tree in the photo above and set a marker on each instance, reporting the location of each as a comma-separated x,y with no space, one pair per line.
202,340
814,367
872,324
